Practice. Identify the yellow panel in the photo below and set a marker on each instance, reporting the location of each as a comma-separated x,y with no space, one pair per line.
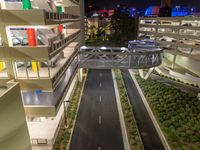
2,65
35,66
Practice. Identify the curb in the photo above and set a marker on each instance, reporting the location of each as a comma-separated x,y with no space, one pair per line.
121,115
156,125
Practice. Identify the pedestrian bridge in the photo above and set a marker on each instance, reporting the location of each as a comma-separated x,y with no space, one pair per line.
133,57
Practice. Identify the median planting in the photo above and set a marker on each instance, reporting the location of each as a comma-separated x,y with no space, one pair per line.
131,126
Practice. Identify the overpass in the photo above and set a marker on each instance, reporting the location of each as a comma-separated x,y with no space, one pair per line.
137,56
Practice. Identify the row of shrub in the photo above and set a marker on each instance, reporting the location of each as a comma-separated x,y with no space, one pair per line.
178,80
178,113
131,126
62,140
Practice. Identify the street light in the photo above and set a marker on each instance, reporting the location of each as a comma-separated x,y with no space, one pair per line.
65,111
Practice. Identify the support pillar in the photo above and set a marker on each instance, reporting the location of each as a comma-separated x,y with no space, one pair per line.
26,4
141,73
80,74
2,4
173,62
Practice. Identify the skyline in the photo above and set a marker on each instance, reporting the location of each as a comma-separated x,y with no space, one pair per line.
138,3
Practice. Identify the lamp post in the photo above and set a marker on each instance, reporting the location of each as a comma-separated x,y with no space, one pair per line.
65,111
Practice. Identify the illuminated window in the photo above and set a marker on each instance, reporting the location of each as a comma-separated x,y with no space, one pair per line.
44,71
20,68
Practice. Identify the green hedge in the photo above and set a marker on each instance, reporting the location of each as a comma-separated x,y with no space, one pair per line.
131,126
178,113
64,134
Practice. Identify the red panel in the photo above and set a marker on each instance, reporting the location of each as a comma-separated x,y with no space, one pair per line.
31,34
60,28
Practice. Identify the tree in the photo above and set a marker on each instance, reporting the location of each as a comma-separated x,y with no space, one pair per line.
92,32
124,28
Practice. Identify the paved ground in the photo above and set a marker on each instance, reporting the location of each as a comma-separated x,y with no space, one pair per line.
98,126
147,130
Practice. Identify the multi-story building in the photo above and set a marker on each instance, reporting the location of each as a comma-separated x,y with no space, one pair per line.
13,129
39,41
179,37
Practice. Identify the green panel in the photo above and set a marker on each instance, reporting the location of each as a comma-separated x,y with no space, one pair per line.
26,4
59,9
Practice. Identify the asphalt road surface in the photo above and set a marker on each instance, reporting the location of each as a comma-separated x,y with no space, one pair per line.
149,135
97,126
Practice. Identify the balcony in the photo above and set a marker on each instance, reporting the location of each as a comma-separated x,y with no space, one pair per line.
48,73
36,17
54,46
47,103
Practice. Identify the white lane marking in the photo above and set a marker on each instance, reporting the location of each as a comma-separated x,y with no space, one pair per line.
99,148
100,84
100,99
99,119
100,74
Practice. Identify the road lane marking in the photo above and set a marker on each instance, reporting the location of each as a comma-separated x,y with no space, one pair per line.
99,148
99,119
100,84
100,99
100,74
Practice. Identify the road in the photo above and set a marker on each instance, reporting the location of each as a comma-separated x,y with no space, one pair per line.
149,135
97,126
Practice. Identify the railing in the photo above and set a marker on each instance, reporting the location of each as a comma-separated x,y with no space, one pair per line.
59,16
62,43
95,57
64,68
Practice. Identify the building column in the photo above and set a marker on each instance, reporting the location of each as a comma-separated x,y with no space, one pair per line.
10,69
2,4
173,62
82,23
80,74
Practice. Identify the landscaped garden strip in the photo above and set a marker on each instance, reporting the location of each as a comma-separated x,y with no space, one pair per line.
177,112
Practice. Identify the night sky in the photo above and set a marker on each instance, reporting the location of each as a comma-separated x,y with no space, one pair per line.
140,3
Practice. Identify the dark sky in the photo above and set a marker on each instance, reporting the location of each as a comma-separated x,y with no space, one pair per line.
140,3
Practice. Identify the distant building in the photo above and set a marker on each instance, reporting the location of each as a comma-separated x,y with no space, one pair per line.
177,11
152,11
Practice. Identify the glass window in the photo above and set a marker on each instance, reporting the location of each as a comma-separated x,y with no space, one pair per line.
3,70
1,42
20,68
33,68
44,69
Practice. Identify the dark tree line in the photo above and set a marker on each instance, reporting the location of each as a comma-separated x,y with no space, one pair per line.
124,28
